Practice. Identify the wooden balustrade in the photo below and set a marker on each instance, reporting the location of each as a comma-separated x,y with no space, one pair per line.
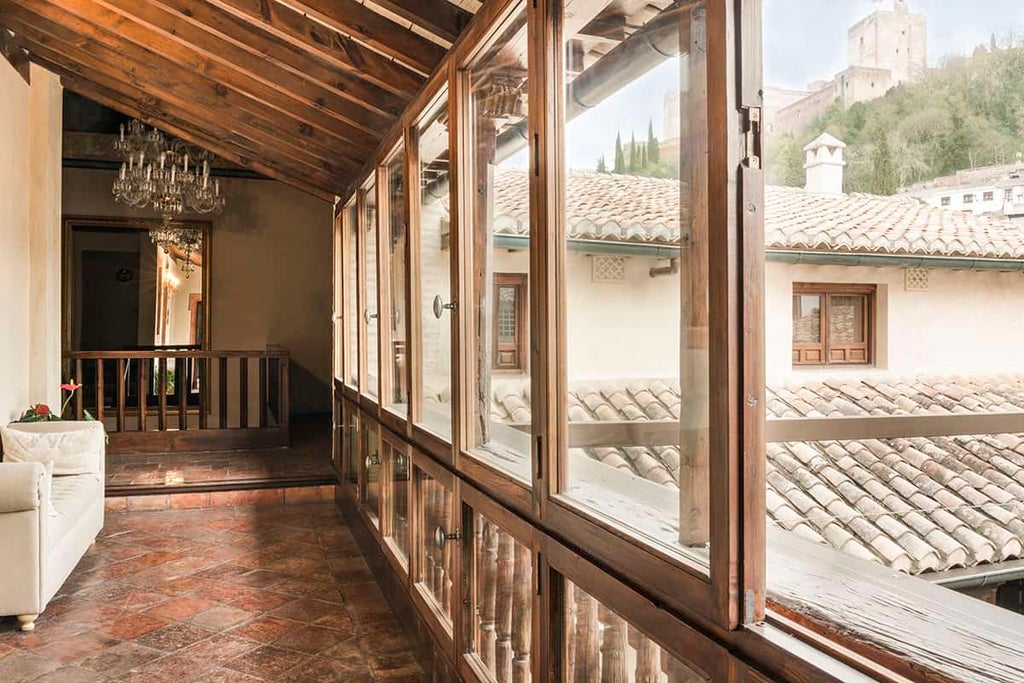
503,613
602,646
162,400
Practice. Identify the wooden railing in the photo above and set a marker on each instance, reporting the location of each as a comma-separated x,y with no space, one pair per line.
602,646
504,589
167,400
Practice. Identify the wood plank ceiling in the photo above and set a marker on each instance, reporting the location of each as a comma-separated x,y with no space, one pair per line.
299,90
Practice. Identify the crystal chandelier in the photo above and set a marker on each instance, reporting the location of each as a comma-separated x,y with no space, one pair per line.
165,175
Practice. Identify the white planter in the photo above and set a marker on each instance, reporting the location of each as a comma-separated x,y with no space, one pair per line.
73,447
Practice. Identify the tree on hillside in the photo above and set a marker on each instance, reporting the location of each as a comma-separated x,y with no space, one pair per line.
653,145
884,179
620,160
634,161
602,167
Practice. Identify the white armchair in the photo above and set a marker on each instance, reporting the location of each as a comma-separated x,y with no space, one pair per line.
47,523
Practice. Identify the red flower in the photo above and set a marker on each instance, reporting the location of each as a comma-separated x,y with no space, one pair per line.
71,386
42,409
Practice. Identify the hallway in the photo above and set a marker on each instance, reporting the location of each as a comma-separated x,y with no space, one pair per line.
240,594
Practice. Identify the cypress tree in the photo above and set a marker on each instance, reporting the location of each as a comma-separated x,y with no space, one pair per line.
620,160
601,166
653,146
884,171
633,155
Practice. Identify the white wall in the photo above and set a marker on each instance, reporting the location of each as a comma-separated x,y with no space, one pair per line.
966,323
30,148
270,272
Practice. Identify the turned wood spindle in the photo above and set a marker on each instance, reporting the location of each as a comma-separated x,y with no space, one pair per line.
613,650
522,613
648,659
587,644
489,568
503,607
448,552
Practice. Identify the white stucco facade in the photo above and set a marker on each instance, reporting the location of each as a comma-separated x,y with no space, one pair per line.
964,323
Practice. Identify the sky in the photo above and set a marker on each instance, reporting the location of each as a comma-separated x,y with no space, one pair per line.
794,55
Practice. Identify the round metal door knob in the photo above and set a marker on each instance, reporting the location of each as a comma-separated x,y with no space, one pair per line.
367,316
440,306
371,461
441,537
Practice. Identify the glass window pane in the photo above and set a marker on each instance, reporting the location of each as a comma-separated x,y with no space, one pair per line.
434,272
436,552
398,501
602,646
500,622
350,455
846,319
499,238
372,473
806,319
396,250
351,291
370,317
506,315
636,263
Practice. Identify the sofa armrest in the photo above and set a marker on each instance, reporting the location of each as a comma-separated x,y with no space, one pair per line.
21,486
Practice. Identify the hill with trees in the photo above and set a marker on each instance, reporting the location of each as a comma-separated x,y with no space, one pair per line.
965,114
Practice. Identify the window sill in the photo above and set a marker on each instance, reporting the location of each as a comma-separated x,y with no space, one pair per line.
905,623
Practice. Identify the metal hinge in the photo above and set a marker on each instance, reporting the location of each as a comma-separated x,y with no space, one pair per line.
540,457
752,137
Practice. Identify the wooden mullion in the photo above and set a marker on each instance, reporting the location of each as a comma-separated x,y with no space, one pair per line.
413,293
385,353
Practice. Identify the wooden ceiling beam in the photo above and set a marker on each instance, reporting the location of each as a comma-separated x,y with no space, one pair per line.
94,64
305,37
294,97
14,54
258,55
200,95
440,17
151,113
358,21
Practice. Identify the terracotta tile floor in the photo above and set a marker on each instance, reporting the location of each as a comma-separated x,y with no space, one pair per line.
308,457
240,594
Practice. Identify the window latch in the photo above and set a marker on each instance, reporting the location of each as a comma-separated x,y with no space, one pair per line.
752,137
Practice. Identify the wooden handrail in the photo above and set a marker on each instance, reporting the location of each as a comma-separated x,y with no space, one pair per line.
128,355
160,400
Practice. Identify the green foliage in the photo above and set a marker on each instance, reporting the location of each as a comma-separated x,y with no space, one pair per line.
653,145
968,113
641,157
620,160
882,170
602,167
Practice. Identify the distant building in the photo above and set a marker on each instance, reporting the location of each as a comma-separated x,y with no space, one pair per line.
989,190
884,49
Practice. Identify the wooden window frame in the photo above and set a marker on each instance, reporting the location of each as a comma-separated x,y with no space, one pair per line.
371,426
395,447
825,292
349,246
518,282
988,196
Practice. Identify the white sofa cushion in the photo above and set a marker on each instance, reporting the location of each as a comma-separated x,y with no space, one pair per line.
72,497
73,447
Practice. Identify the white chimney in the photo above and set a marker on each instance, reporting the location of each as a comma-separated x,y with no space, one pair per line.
825,165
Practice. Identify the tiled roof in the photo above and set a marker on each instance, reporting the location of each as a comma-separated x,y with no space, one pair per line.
624,208
916,505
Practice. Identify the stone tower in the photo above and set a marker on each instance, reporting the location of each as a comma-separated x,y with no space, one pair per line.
895,40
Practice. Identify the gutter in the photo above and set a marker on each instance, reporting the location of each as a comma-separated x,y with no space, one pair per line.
831,258
980,576
586,246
